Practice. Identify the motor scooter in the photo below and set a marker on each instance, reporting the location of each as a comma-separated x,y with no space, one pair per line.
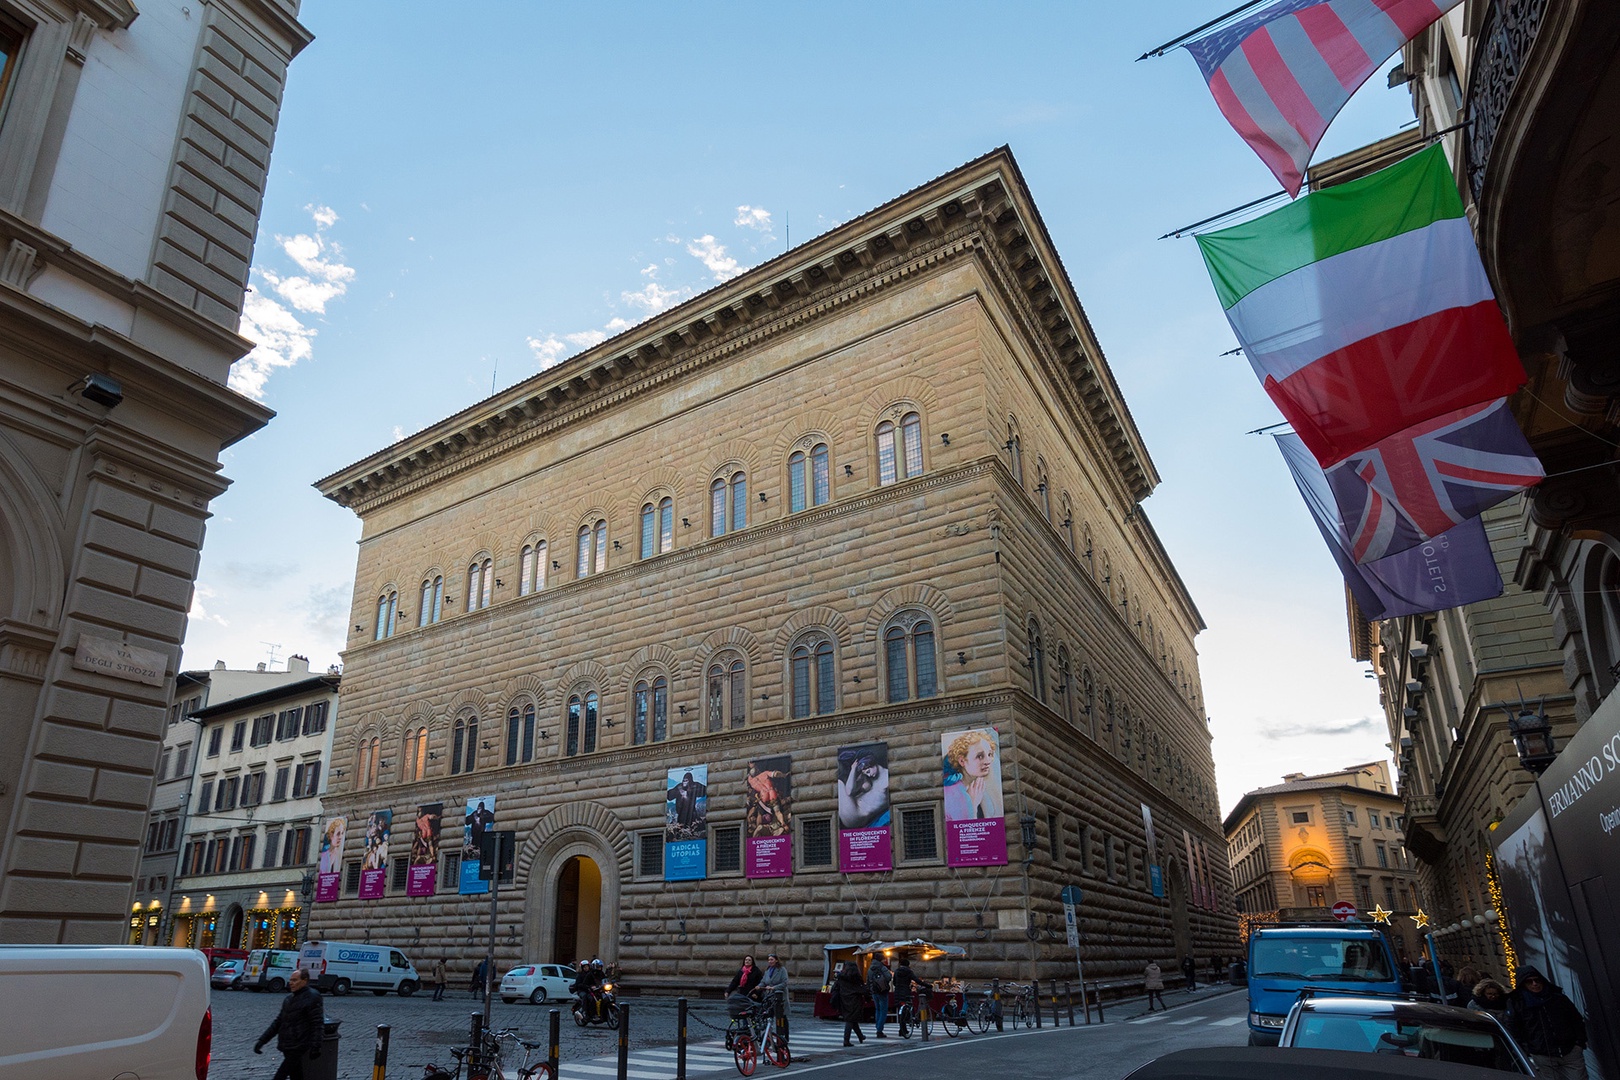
599,1007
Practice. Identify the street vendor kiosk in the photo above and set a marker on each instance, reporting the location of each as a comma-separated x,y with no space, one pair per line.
915,950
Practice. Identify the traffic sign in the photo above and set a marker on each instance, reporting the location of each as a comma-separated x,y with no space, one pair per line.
1071,895
1071,923
1344,911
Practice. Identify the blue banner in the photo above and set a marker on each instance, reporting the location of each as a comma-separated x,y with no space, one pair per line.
686,823
480,818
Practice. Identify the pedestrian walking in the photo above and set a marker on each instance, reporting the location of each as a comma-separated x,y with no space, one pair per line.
1189,969
441,971
850,991
1153,984
1548,1026
298,1028
905,984
879,980
480,979
747,977
1490,996
1214,970
774,981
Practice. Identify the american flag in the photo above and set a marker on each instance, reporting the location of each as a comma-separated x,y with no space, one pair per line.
1281,73
1418,483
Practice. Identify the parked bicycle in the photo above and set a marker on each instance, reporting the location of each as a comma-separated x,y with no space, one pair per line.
492,1054
756,1034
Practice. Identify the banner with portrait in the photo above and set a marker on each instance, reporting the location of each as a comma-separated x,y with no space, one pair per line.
975,815
686,823
479,819
424,871
329,867
768,850
864,814
374,861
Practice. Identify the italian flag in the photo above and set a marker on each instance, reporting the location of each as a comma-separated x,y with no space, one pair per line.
1364,308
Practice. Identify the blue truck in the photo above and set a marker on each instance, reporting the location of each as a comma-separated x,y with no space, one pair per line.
1283,960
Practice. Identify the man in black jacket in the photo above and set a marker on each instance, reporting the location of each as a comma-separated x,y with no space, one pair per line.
1548,1026
298,1029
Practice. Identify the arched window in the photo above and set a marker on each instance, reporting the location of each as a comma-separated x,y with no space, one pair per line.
365,773
809,478
387,614
580,737
910,662
658,527
1149,638
592,554
432,606
728,504
815,686
464,745
1015,454
1091,562
899,449
1088,701
1043,489
726,699
651,711
1068,521
480,584
1036,660
1108,711
532,568
1108,577
413,762
1124,599
520,733
1065,690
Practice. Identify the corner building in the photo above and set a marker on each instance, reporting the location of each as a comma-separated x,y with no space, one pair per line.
879,488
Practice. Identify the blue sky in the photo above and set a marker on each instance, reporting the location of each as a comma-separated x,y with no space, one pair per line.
455,200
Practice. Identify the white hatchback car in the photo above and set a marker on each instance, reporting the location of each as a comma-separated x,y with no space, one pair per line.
538,982
227,975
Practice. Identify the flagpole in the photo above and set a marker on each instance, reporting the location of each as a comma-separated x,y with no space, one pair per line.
1189,35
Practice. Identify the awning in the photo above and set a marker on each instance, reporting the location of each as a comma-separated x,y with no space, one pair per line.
917,947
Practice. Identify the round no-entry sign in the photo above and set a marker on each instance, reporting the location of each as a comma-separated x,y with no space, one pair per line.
1344,911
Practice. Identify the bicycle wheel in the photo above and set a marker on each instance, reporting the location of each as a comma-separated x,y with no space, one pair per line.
1026,1015
541,1071
906,1021
747,1057
980,1017
776,1050
948,1021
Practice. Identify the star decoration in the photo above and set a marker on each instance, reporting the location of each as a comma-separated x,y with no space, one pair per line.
1420,920
1379,915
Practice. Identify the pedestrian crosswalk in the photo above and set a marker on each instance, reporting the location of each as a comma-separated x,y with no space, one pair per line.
658,1063
1187,1021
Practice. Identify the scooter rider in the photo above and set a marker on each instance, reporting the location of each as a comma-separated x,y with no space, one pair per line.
586,980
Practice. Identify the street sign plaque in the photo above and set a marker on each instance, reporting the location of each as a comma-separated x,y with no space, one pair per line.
1071,895
1344,911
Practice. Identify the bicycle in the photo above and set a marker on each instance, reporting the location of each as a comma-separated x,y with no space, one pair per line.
953,1016
758,1034
1023,1005
983,1013
540,1070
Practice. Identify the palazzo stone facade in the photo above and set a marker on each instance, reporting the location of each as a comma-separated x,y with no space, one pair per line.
880,488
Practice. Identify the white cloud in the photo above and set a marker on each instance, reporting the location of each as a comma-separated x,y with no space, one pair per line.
548,350
399,433
650,270
198,612
584,339
713,255
753,217
281,339
653,298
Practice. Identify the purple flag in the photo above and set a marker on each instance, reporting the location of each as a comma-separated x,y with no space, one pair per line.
1449,570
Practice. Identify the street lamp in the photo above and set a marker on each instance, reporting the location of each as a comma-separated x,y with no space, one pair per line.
1532,738
306,889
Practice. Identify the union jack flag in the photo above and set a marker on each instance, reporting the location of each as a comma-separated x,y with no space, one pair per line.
1420,482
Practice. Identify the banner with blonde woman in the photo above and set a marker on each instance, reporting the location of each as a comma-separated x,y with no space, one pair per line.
975,826
330,866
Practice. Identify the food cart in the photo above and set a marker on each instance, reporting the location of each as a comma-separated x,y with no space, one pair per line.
916,950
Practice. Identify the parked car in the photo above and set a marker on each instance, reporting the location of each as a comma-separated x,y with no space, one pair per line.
1415,1029
76,1011
227,975
217,955
537,982
1253,1063
1283,960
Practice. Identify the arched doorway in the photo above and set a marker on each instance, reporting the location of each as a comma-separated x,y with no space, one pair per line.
577,922
233,936
1180,922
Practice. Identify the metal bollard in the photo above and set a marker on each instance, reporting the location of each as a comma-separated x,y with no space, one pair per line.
782,1016
995,1002
680,1039
554,1041
1035,999
925,1001
379,1059
624,1042
1068,992
475,1048
1099,1002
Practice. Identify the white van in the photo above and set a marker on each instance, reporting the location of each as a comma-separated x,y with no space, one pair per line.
75,1011
340,967
269,969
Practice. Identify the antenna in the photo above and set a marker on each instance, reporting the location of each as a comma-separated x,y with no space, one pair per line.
787,216
492,372
272,650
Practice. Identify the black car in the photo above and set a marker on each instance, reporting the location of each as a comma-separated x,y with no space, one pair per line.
1265,1063
1397,1027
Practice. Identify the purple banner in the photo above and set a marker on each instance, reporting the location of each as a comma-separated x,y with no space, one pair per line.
371,884
769,845
862,850
423,877
975,816
326,889
864,813
422,881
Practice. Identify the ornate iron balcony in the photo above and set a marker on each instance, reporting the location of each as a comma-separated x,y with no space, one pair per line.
1505,38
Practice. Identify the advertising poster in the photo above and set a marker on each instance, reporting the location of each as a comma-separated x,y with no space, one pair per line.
975,816
374,863
480,819
864,843
686,823
769,849
329,868
1155,873
424,871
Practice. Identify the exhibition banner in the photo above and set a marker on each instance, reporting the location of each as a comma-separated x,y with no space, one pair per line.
864,843
329,868
686,823
768,852
374,863
424,871
479,819
975,821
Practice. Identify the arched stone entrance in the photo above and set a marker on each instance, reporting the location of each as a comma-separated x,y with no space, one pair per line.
1180,922
235,936
572,866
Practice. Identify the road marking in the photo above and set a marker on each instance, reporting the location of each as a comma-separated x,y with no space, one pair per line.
1148,1019
1189,1020
613,1070
1228,1022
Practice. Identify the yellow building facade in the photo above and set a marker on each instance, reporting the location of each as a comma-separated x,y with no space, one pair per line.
881,489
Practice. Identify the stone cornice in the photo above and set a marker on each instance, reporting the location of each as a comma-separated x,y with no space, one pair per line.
982,207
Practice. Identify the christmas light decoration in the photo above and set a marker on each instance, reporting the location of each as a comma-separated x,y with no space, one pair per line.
1493,885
